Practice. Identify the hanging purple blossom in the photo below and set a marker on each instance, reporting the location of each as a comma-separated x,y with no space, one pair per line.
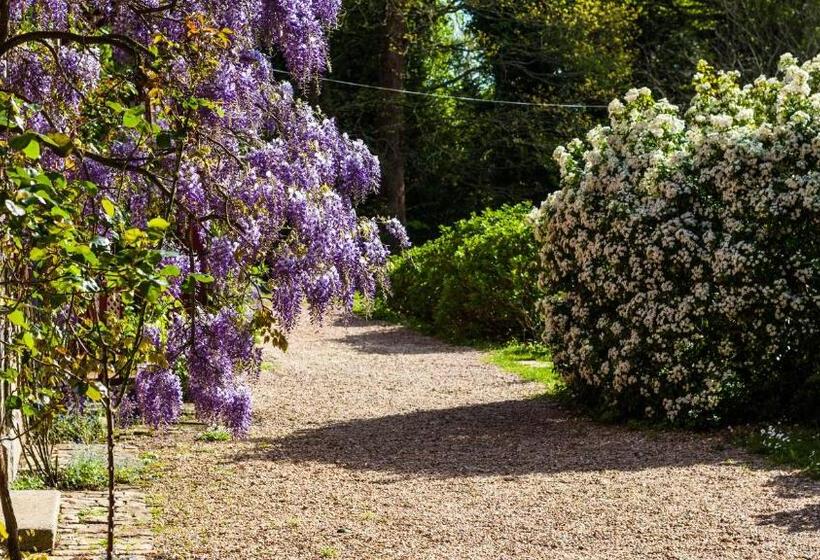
158,395
265,194
396,230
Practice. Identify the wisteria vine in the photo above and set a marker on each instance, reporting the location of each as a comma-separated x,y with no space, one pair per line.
171,110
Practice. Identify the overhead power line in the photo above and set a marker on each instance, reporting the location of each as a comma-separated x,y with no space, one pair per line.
456,97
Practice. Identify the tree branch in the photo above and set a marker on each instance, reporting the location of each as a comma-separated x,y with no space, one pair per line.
5,7
114,40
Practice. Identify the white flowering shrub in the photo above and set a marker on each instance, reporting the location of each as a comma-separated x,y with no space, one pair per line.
682,253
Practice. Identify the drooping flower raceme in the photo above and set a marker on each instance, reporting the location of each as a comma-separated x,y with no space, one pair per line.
173,111
681,253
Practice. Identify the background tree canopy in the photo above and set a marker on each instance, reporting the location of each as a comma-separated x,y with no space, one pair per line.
452,157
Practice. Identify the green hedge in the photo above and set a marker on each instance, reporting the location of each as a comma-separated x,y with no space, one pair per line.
477,281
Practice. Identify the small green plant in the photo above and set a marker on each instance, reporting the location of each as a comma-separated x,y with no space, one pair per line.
214,433
328,552
87,471
86,427
789,445
84,472
28,481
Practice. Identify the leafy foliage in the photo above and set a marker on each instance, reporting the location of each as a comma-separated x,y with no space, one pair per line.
681,256
165,199
462,156
28,481
478,280
792,445
79,427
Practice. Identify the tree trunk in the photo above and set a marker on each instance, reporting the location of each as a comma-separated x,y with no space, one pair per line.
108,404
109,429
392,133
13,541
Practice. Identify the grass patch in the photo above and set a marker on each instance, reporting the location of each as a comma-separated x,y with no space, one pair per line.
214,433
328,552
795,446
529,361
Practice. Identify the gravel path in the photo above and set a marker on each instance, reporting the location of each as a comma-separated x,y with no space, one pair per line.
373,442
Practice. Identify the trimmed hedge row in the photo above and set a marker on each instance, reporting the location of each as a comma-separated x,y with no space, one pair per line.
477,281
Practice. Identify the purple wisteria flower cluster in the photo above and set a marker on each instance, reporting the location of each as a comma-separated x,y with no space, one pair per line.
264,187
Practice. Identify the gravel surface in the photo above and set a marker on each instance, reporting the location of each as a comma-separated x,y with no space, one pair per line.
373,442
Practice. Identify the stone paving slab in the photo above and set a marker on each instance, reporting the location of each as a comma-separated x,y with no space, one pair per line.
83,520
36,512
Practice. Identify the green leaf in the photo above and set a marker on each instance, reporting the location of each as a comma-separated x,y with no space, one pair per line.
10,375
158,223
164,140
28,340
17,318
32,151
14,402
61,143
170,270
116,107
153,293
88,255
131,235
59,212
202,278
95,391
131,118
26,143
37,254
14,208
108,207
89,186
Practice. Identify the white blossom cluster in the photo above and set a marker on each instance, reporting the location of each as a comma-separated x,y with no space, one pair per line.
682,253
773,439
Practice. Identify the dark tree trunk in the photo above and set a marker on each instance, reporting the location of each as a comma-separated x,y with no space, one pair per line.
13,542
109,439
392,130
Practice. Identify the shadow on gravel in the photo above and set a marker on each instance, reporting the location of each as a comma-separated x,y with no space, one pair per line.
794,521
390,339
799,520
515,437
